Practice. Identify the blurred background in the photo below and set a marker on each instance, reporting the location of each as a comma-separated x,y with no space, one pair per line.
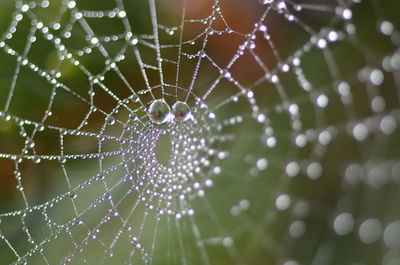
291,157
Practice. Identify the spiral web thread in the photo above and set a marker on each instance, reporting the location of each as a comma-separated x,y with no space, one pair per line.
117,204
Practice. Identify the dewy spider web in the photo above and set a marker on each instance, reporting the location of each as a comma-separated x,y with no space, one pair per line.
288,155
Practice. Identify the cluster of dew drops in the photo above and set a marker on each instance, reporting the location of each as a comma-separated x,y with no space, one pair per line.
160,112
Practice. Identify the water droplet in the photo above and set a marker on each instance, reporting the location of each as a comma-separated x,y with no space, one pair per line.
387,125
376,77
22,261
30,143
271,142
202,54
250,44
262,28
333,35
227,242
159,111
322,101
391,235
225,73
135,98
37,159
321,43
62,159
109,253
181,111
71,4
343,224
265,2
134,41
122,13
386,27
94,41
297,229
360,131
370,231
244,205
292,169
283,202
293,109
110,120
314,170
262,164
285,67
274,79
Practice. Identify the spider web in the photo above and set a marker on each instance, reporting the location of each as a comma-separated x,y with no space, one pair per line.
289,156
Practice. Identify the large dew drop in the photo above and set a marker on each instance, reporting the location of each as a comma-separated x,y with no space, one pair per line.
159,111
181,111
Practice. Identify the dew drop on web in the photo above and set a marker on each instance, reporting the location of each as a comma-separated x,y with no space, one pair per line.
159,111
181,111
